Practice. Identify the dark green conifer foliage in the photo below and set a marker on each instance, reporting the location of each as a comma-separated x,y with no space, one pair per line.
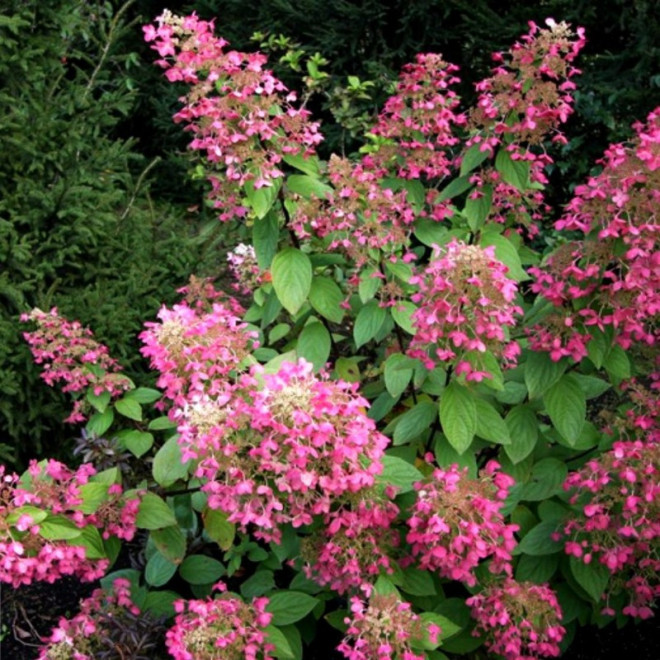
78,228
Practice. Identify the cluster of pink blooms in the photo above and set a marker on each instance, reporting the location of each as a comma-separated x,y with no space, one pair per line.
281,448
197,345
245,269
78,638
230,108
70,354
356,544
383,629
358,215
619,523
456,522
50,494
614,272
467,305
419,121
222,628
520,620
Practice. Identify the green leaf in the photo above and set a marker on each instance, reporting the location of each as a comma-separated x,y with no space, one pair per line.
278,639
161,424
307,164
598,347
144,395
591,386
430,232
538,541
455,188
161,603
91,540
566,405
507,253
477,209
129,408
368,322
398,374
417,582
218,528
200,569
513,172
265,236
448,628
541,373
546,480
490,425
99,423
308,186
399,473
154,513
137,442
314,344
290,606
402,314
170,542
414,422
472,158
159,570
292,278
617,364
369,284
98,401
168,466
92,496
458,416
523,431
280,331
536,569
593,577
59,528
262,199
326,298
258,584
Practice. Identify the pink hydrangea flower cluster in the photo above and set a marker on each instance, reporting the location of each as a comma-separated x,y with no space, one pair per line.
196,346
355,545
281,448
358,215
467,306
418,122
78,638
245,269
520,620
382,629
618,524
614,271
242,117
456,523
32,508
70,354
222,628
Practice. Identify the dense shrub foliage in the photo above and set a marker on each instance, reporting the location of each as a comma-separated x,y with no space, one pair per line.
433,427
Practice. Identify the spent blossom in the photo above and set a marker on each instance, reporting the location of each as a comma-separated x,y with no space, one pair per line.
70,355
456,523
519,620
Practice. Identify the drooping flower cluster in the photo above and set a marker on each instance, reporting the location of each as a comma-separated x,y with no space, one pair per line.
456,523
355,546
282,447
614,271
467,305
70,355
417,125
223,628
618,525
242,117
520,620
382,629
49,517
196,346
97,628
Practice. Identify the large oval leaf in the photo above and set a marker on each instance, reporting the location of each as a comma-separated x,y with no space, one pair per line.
291,271
458,415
